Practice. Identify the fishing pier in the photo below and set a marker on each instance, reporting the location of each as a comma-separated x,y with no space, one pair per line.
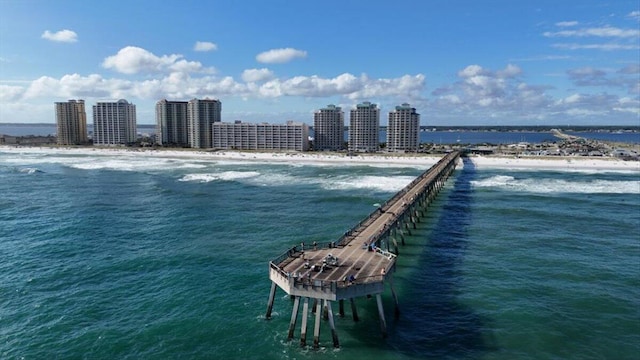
359,263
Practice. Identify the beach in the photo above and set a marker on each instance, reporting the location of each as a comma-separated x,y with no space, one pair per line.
575,163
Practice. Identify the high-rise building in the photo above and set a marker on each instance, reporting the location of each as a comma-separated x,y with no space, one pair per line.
201,114
403,130
328,128
114,123
364,128
248,136
71,122
172,127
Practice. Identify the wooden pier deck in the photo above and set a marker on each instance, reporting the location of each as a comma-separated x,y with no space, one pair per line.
363,259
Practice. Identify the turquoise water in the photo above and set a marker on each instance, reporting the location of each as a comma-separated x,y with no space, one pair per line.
134,256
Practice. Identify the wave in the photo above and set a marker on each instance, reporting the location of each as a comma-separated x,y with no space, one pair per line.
30,170
379,183
510,183
222,176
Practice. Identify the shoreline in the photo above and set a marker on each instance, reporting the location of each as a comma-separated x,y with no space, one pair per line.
385,159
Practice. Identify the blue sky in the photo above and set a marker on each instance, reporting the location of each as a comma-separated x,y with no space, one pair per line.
491,62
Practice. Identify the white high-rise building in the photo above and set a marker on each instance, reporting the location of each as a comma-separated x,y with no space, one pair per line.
328,128
71,122
364,128
403,130
172,127
249,136
114,123
201,114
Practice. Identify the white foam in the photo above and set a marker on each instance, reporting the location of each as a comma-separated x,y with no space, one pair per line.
29,170
221,176
379,183
559,186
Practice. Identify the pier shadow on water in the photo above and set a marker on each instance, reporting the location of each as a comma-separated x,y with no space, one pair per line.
433,323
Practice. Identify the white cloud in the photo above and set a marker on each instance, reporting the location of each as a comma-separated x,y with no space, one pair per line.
257,75
205,46
603,47
10,93
634,15
478,94
509,72
133,60
566,23
280,55
61,36
470,71
606,31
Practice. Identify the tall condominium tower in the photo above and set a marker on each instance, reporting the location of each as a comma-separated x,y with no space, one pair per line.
114,123
364,128
200,115
71,122
172,127
328,127
403,131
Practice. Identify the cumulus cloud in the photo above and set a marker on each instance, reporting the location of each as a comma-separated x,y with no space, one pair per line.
346,85
133,60
486,92
279,56
205,46
60,36
9,93
257,75
408,87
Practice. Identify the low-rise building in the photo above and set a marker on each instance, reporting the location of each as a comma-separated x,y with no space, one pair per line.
249,136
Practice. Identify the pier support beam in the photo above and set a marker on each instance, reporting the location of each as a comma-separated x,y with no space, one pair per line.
354,310
272,296
332,325
294,317
316,329
341,307
383,322
303,330
395,298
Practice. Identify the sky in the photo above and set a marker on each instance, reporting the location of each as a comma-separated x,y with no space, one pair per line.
458,62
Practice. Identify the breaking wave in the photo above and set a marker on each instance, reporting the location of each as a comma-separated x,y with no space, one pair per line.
505,182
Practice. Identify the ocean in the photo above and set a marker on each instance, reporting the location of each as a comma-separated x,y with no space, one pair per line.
131,256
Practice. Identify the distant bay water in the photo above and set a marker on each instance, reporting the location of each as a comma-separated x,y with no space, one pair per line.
436,137
132,256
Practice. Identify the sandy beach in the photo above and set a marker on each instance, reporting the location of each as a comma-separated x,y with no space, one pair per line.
380,159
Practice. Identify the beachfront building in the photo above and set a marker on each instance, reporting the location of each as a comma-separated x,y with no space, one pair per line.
114,123
403,130
171,123
328,128
249,136
71,122
201,115
364,127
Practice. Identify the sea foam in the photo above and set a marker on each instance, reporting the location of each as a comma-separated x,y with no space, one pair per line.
504,182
